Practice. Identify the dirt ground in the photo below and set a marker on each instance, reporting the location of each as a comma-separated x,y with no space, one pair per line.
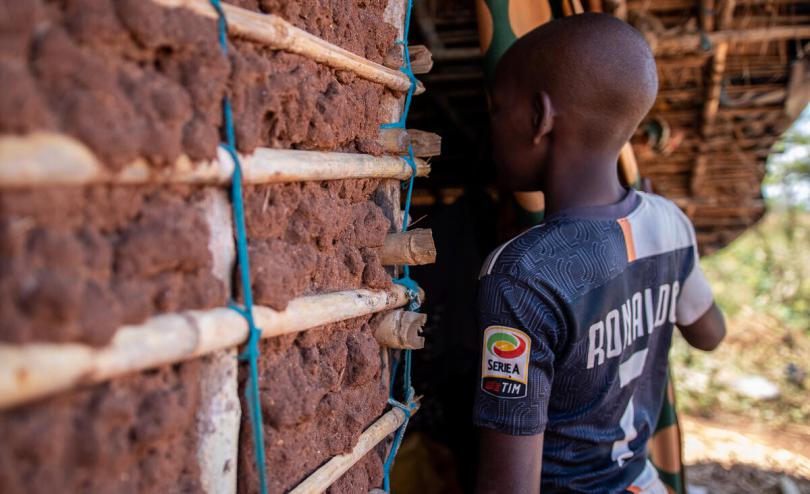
730,454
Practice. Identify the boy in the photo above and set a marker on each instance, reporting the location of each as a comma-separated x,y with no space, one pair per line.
577,313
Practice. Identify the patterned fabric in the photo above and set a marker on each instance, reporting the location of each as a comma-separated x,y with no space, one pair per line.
501,22
665,445
576,317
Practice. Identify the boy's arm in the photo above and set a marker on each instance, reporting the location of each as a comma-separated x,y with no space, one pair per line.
697,316
521,326
509,463
707,332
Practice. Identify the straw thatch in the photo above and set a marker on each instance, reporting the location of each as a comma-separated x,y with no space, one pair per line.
732,79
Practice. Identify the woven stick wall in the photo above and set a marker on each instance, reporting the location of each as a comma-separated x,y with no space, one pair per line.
731,81
118,351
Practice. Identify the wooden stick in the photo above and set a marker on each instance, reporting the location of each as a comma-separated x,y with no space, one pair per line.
31,371
683,43
277,33
218,215
333,469
424,144
399,329
712,103
725,14
414,247
421,59
218,423
706,15
42,158
698,174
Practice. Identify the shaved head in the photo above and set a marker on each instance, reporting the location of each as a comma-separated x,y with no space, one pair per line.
598,72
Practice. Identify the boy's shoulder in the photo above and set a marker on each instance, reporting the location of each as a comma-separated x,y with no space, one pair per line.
577,250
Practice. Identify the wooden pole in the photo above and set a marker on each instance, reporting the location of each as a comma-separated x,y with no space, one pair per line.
333,469
707,15
424,144
698,175
421,59
725,14
399,329
218,422
712,104
277,33
35,370
686,43
41,159
414,247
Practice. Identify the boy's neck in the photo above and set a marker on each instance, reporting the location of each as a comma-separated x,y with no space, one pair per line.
582,181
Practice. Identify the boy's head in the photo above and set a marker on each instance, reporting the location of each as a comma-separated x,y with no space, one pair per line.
573,87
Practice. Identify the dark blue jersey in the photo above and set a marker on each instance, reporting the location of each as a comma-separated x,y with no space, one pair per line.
576,320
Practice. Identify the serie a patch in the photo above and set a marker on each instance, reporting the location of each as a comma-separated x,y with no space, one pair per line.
505,362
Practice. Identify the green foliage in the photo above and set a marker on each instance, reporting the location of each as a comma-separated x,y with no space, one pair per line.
788,179
762,283
767,269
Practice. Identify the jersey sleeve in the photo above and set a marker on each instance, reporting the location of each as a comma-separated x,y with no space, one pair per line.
696,296
519,329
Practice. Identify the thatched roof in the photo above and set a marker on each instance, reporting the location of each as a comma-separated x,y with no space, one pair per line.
731,81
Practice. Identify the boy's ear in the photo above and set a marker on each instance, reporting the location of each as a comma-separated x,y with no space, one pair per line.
543,120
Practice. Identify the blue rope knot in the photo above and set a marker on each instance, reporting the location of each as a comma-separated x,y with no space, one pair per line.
407,408
412,290
705,42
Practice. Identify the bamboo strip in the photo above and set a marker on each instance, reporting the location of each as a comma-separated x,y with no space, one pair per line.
333,469
218,423
691,42
42,158
31,371
277,33
395,140
421,59
414,247
219,412
725,14
706,15
399,329
712,103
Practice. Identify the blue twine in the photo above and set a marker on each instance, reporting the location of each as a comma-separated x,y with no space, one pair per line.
705,42
251,353
411,286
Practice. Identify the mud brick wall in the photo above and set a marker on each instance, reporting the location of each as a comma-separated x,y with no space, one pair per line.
320,390
131,435
77,263
314,237
132,80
